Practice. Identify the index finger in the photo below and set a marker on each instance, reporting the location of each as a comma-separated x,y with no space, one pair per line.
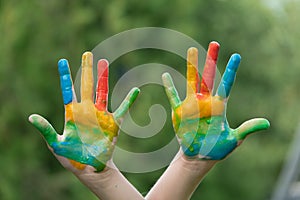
66,83
192,71
229,76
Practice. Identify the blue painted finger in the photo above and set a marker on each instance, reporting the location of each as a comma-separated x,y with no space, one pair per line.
65,81
229,76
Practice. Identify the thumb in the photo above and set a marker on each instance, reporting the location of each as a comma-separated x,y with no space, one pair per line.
44,127
251,126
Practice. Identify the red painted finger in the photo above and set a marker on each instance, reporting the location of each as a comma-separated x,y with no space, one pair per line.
209,72
102,85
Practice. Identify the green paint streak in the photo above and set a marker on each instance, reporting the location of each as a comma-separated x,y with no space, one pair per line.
212,137
127,102
251,126
95,151
176,121
171,91
44,127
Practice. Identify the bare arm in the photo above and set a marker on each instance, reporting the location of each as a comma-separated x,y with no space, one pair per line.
109,184
181,178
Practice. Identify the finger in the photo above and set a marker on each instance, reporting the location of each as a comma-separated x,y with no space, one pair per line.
192,71
229,76
251,126
44,127
127,102
102,85
171,90
66,83
87,77
209,71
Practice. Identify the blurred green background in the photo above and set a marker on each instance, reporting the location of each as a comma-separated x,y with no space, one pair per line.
35,34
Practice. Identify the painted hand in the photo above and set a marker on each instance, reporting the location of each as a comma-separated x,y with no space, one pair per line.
200,120
90,131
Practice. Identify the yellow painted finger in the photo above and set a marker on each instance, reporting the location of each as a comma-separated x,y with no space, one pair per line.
87,81
192,71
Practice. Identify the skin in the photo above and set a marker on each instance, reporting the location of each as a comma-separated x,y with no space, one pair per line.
90,131
200,120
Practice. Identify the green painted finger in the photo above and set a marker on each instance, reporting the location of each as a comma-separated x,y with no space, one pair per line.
251,126
127,102
44,127
171,90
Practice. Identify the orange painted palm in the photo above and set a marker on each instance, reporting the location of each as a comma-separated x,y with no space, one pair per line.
90,131
200,120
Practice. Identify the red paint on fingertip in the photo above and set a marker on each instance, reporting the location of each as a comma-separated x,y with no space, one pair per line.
213,50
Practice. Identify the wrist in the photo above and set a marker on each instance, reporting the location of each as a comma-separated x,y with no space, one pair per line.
100,183
79,169
184,174
90,173
193,165
109,183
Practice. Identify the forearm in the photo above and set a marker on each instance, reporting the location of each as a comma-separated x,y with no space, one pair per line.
181,179
109,184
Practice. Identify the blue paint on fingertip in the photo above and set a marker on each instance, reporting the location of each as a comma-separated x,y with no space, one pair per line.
229,75
65,81
230,71
234,62
63,67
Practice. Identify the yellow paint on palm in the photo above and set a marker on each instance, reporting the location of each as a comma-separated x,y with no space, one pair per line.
107,123
87,115
194,107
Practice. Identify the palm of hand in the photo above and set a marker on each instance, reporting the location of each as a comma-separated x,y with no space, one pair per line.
90,130
200,120
87,137
206,134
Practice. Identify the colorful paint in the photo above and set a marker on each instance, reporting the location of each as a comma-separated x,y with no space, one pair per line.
90,130
200,120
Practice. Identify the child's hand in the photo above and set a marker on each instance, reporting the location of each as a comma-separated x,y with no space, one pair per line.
200,120
90,131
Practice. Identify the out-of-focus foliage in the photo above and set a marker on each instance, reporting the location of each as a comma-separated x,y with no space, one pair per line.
35,34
